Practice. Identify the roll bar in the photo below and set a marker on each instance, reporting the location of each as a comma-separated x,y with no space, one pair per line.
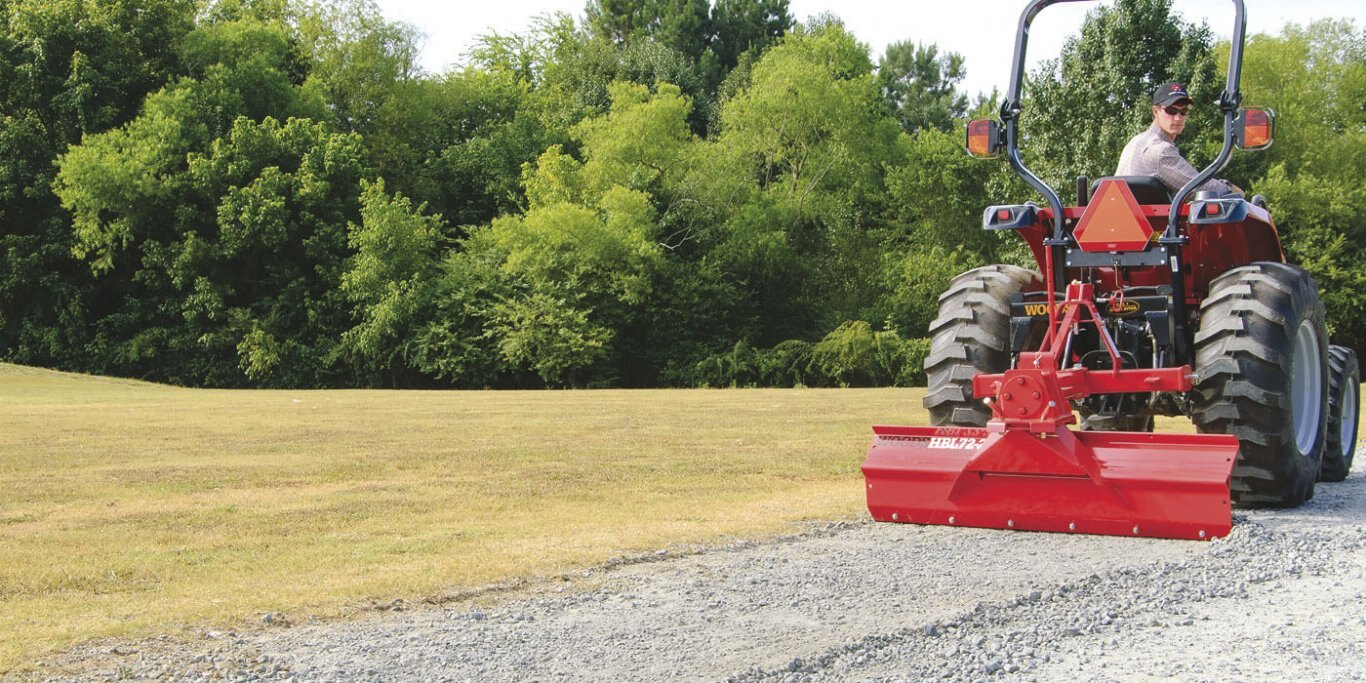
1011,106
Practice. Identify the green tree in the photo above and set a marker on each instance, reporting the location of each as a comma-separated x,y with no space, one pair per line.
390,281
457,143
568,276
620,21
356,58
239,280
920,85
68,69
1314,77
681,25
529,54
747,26
804,150
586,69
569,68
217,232
684,25
558,289
854,355
122,185
639,144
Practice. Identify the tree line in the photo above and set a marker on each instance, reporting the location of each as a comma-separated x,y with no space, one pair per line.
271,193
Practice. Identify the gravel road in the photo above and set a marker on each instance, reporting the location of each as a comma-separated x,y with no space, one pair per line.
1282,598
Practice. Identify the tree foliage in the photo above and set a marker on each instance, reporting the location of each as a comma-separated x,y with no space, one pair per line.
1314,77
68,68
667,192
389,282
920,85
214,229
747,27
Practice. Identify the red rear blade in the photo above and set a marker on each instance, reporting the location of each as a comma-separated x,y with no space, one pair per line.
1119,483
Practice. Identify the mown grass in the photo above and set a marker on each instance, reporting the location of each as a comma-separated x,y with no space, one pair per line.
129,509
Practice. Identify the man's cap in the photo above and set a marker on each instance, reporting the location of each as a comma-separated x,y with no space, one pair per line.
1168,94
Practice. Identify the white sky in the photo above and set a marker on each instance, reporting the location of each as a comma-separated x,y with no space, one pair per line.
983,31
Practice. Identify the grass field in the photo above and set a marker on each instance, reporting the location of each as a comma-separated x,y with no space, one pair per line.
130,509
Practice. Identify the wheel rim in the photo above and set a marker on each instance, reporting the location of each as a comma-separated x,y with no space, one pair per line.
1348,420
1306,387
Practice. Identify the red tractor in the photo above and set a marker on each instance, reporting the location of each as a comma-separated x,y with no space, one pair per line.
1145,302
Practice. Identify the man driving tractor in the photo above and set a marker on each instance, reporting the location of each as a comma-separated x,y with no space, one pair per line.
1153,152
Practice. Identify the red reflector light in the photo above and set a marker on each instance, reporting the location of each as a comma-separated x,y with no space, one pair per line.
1257,129
1211,209
1003,215
982,135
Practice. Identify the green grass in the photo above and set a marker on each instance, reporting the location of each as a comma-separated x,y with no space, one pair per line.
130,509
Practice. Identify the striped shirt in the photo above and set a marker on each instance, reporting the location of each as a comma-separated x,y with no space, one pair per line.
1152,153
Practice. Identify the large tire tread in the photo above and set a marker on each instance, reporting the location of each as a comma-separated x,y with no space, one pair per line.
1244,357
971,336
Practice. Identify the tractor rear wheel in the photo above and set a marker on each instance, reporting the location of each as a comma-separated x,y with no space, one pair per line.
1261,361
971,336
1344,401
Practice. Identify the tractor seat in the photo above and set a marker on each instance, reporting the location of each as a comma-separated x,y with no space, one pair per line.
1147,189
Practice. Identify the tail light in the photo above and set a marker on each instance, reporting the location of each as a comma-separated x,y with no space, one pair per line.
984,138
1255,128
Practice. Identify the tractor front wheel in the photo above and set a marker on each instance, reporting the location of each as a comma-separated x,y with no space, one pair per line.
1261,360
971,336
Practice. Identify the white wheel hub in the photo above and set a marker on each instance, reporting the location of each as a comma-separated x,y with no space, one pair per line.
1306,387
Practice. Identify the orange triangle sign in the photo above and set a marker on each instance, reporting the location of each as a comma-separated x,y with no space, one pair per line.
1113,221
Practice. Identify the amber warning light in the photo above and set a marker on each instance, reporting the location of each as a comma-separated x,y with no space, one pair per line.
984,138
1256,128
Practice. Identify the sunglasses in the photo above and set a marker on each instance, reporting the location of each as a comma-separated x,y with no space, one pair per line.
1176,111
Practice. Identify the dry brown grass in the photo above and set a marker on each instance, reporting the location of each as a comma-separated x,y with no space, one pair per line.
130,508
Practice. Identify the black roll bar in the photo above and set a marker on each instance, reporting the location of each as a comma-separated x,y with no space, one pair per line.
1011,107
